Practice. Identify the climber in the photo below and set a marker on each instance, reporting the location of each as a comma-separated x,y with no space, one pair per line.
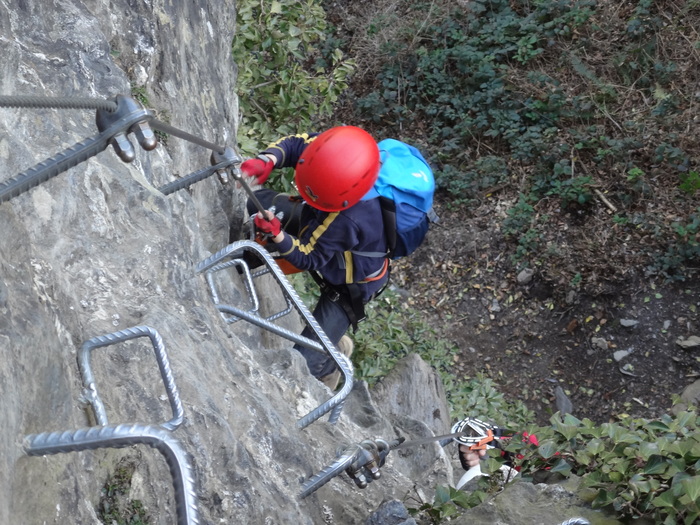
334,230
478,437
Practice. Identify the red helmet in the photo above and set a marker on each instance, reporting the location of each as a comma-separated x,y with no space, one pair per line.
338,168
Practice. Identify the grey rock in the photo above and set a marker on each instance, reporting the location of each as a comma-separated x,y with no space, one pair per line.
691,342
97,248
416,413
689,396
629,323
599,342
525,276
540,504
563,402
397,395
619,355
391,513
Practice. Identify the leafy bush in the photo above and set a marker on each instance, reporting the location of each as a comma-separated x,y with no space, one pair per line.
446,502
551,99
287,79
683,249
640,468
636,468
690,183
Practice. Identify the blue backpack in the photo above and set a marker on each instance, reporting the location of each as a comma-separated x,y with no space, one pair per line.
405,186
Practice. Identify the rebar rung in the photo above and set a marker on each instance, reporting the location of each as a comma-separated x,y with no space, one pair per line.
236,251
90,387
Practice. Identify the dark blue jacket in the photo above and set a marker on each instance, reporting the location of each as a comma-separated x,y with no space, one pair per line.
327,239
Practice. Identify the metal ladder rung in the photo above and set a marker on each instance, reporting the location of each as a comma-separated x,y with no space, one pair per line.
235,251
90,388
121,436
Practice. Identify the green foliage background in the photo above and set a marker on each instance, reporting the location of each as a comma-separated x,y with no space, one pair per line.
550,106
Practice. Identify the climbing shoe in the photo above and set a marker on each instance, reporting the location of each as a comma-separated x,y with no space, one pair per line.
345,346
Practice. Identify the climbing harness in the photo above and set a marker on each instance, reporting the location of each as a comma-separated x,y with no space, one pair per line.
234,255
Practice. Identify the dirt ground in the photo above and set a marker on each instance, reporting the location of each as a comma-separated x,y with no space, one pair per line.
613,353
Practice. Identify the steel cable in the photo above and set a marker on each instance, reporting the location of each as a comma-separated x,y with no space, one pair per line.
170,130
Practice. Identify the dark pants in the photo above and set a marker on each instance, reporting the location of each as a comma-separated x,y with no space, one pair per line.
330,314
334,321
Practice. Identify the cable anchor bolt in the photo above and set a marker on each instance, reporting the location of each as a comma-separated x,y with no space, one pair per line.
119,123
229,157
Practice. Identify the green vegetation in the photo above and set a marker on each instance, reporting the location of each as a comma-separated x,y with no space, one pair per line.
287,79
446,502
544,103
115,507
572,113
641,468
636,467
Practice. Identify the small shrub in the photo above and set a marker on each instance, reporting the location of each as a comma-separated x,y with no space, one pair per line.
690,182
683,247
520,216
572,190
285,81
446,504
640,468
114,506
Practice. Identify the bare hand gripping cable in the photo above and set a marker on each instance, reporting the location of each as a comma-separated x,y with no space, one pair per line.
236,251
121,436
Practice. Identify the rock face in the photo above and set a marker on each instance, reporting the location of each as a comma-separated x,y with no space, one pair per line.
97,250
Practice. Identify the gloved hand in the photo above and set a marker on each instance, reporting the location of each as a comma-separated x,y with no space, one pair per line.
272,226
258,168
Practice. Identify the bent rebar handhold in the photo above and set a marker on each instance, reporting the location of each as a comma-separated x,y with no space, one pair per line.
90,389
121,436
236,251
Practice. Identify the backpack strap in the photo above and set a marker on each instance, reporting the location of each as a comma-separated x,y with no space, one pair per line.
432,216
